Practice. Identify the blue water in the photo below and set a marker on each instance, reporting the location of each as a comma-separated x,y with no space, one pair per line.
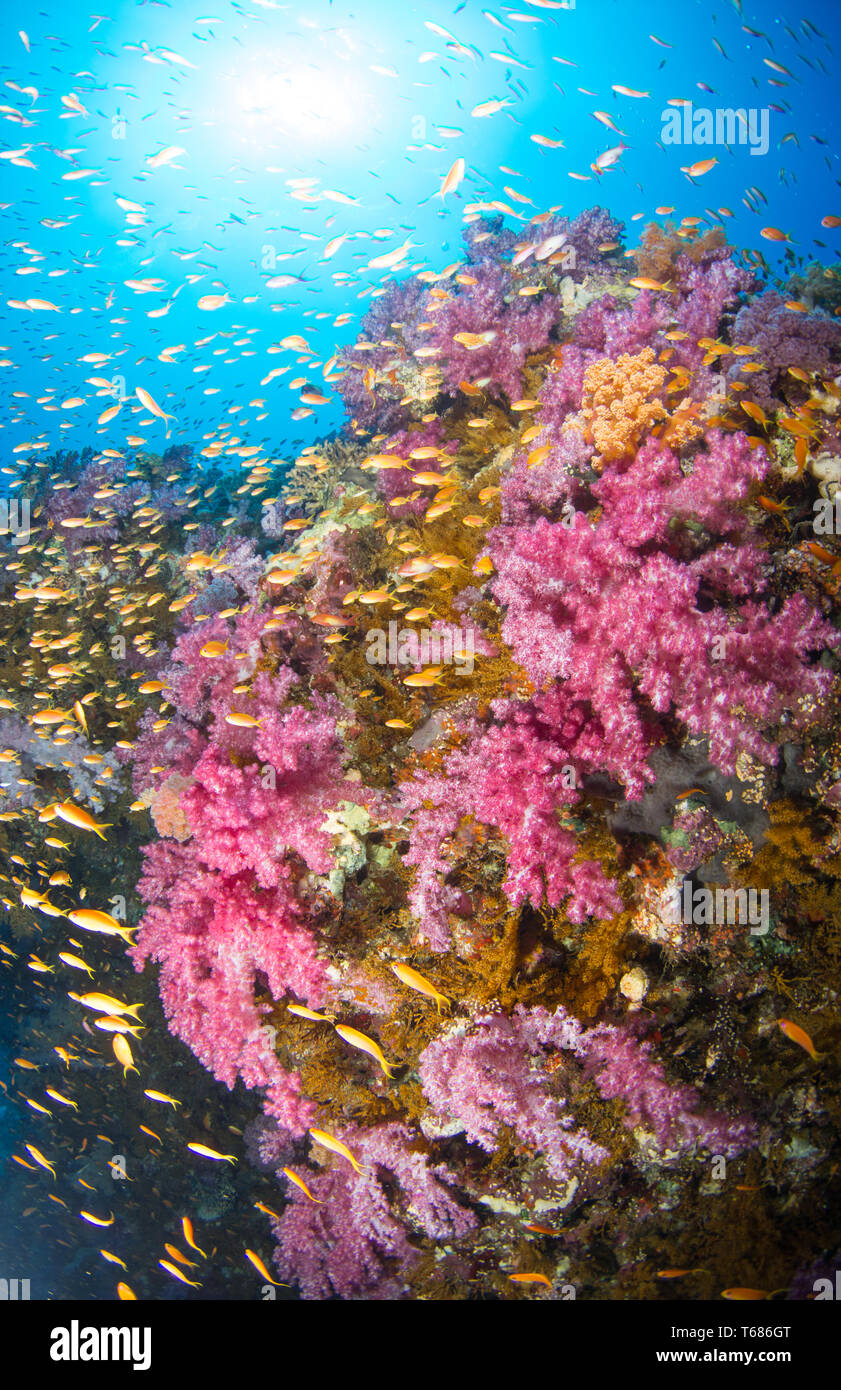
354,98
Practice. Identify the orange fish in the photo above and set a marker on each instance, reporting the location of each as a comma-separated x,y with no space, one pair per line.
769,505
825,556
187,1228
642,282
799,1036
123,1054
176,1274
744,1295
178,1257
755,412
80,818
703,166
205,1152
299,1182
329,1141
261,1268
261,1206
453,178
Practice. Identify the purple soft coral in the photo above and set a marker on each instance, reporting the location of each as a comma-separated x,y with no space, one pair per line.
348,1241
784,338
495,1073
514,328
483,1079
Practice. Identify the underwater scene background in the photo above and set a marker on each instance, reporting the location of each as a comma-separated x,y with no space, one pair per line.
419,730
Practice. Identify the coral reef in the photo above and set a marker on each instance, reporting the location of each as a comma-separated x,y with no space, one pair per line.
440,734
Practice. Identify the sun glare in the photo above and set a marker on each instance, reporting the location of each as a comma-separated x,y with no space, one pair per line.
305,102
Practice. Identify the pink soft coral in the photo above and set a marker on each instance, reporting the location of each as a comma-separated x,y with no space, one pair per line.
225,908
212,935
639,608
519,775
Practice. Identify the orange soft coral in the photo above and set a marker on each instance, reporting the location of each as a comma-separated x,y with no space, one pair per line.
621,402
660,248
164,803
